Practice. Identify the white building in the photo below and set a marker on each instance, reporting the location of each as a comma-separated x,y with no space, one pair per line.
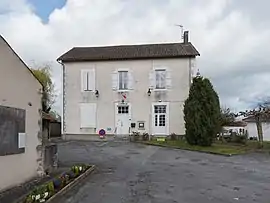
20,120
126,88
252,128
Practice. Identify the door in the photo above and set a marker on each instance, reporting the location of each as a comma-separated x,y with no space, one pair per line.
160,119
122,120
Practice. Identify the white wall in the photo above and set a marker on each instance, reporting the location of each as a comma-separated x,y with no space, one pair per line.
140,101
18,87
234,128
252,130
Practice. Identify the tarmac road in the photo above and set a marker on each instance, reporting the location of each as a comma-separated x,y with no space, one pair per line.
135,173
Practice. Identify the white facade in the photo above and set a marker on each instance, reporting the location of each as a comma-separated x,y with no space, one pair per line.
252,130
18,88
123,96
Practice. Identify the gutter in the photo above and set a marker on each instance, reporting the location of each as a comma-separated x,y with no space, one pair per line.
63,125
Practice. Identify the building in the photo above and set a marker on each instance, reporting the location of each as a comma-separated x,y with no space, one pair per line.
252,127
239,127
20,120
127,88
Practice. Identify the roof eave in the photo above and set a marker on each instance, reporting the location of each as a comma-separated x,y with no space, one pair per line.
62,59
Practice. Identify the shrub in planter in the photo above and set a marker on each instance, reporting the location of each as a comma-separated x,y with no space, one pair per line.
145,137
71,174
173,136
57,183
44,192
136,136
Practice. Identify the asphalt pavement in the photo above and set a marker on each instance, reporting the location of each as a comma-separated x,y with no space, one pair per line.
134,173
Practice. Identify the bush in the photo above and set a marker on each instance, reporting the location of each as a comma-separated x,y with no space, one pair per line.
202,113
47,190
173,136
136,135
145,137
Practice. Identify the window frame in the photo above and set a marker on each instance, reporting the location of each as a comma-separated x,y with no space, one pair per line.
159,84
123,81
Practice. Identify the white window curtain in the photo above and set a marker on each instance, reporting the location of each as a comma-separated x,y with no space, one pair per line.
160,79
123,80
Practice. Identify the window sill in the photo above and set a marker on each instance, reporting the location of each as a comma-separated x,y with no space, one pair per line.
160,90
123,90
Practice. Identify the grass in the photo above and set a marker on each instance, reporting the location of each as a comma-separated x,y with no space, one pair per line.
226,149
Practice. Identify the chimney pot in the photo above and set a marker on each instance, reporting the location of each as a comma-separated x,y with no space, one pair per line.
186,37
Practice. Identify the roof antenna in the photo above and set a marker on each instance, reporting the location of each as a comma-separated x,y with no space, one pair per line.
181,30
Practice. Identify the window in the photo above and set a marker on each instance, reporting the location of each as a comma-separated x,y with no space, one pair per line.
160,109
88,115
162,120
123,109
123,80
160,79
141,125
88,80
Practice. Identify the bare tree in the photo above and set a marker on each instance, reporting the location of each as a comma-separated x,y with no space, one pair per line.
259,114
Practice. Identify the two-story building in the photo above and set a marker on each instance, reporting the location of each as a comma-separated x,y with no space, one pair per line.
126,88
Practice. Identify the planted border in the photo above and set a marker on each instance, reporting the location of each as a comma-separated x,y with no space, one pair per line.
57,185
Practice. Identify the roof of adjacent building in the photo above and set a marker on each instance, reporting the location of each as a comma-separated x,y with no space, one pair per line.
130,52
251,119
236,124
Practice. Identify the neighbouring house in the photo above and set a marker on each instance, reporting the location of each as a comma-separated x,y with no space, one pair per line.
126,88
20,120
240,127
252,128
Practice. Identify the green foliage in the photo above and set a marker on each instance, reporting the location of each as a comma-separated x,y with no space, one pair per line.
45,77
227,117
202,113
47,190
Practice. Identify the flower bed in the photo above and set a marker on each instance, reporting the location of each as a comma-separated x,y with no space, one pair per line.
49,189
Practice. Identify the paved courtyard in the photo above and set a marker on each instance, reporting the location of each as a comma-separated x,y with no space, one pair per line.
135,173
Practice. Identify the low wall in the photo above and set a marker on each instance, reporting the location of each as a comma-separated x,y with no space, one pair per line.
50,158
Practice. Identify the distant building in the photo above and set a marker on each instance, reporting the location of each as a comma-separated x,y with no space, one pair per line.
252,128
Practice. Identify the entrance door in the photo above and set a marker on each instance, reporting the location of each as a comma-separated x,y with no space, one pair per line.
122,120
160,119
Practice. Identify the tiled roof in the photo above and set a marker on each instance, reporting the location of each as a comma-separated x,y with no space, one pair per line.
126,52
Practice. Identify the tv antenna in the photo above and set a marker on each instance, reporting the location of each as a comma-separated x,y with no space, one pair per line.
181,30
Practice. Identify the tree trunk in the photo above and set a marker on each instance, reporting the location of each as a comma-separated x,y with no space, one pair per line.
259,130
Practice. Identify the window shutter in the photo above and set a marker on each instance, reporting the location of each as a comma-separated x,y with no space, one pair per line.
130,80
115,80
92,79
88,115
152,79
83,80
168,79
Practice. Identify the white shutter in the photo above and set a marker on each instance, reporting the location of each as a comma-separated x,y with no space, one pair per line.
115,80
130,80
88,115
92,79
168,79
152,79
83,80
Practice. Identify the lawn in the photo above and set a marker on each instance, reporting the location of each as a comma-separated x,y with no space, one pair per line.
227,149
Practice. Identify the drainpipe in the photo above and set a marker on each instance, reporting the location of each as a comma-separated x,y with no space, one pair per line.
63,97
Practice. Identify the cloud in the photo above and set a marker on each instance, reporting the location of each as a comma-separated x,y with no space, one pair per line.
234,47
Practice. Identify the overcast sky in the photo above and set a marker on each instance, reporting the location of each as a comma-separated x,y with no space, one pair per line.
233,36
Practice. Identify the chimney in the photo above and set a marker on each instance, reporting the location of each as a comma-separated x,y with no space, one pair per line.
185,37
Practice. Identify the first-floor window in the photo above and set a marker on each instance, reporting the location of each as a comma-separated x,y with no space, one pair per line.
160,79
123,80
